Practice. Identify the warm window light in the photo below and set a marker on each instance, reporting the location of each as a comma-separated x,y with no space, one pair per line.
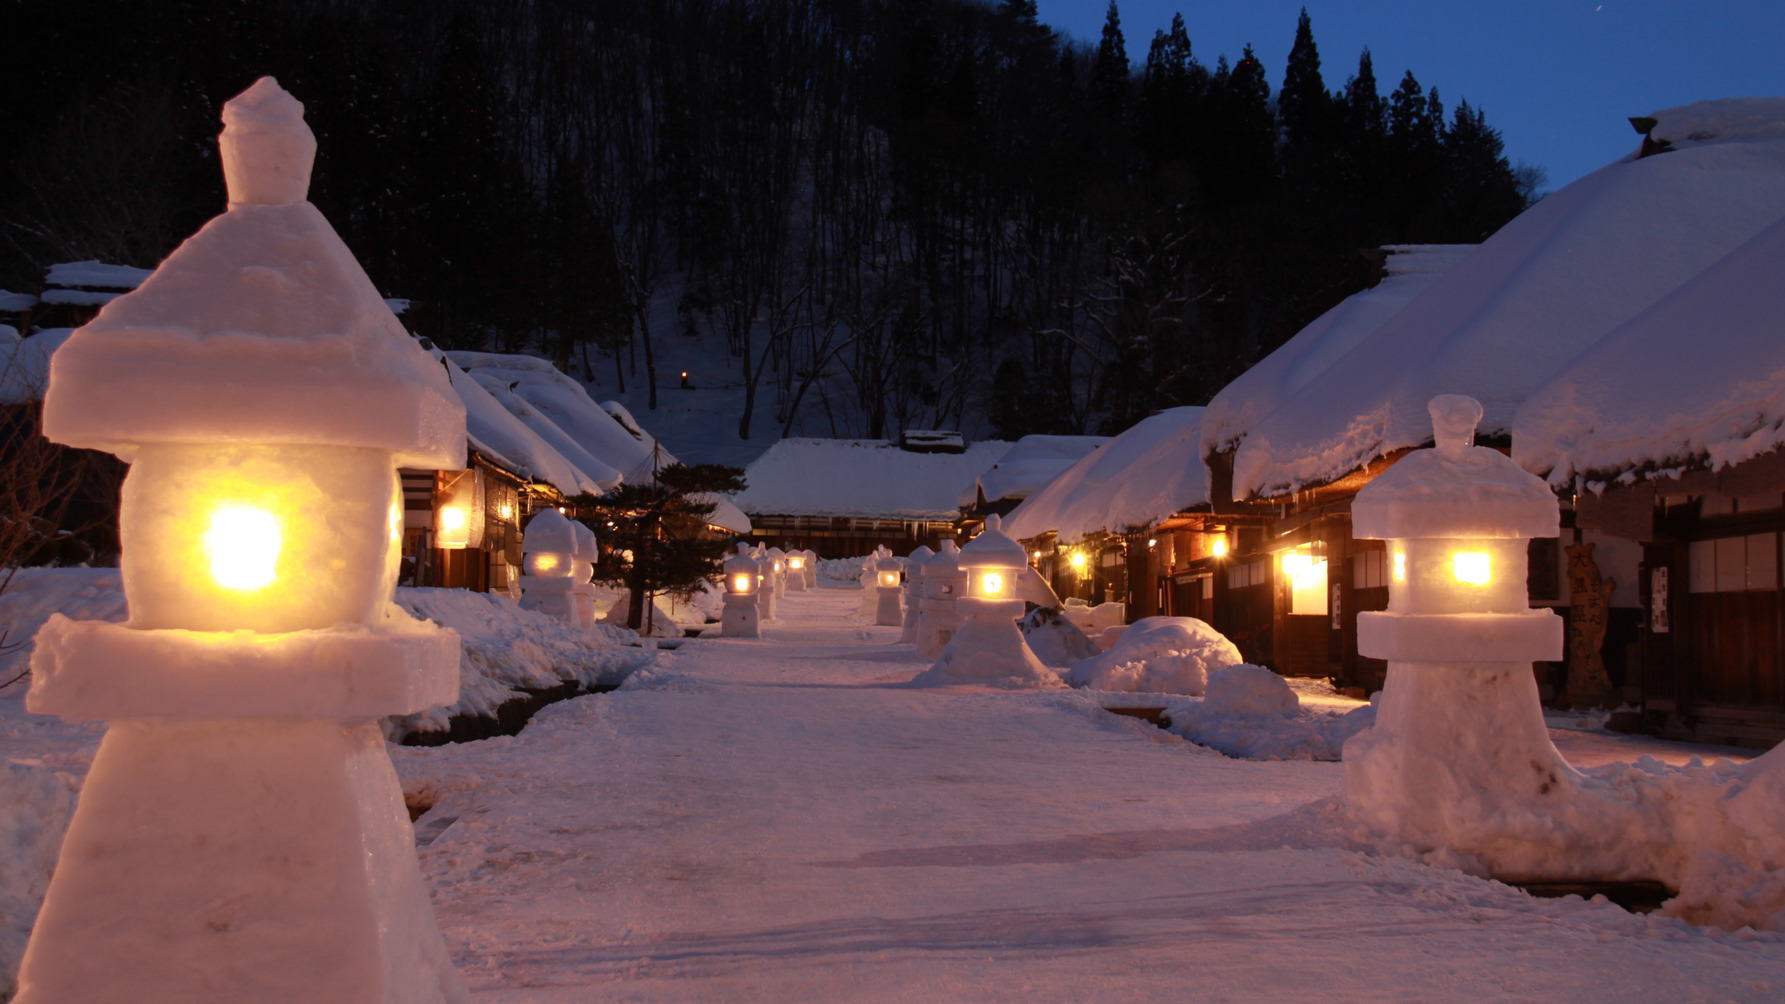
453,519
993,583
740,583
1219,547
1152,542
1400,566
1078,559
505,510
243,544
562,509
1037,555
1295,564
1470,567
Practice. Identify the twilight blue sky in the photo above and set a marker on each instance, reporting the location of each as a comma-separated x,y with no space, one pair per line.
1558,78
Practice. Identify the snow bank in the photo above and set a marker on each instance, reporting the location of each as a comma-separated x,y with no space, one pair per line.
862,478
1277,377
1164,655
35,805
1252,713
1637,401
1136,479
83,594
840,573
1510,315
1055,640
507,649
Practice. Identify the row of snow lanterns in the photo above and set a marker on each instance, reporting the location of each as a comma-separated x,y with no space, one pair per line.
754,579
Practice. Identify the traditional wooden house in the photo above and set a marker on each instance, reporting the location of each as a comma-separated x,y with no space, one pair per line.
1669,435
844,497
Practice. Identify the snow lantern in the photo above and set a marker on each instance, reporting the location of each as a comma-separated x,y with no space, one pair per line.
914,565
796,571
943,583
459,510
765,582
1459,716
778,568
741,617
582,571
811,568
887,588
549,562
264,396
869,578
989,646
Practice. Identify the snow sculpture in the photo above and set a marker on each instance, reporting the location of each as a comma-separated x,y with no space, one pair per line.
796,571
765,582
582,571
914,563
549,558
811,568
1459,737
778,568
741,617
886,607
943,583
989,648
242,835
870,598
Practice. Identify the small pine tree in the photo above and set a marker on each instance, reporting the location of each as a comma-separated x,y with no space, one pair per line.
655,532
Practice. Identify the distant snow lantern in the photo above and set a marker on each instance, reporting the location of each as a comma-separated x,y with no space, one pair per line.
988,646
582,571
1458,631
549,560
944,582
796,571
886,603
992,561
913,592
741,617
264,396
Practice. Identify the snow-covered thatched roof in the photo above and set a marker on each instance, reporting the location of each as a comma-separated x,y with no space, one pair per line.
1696,379
1510,315
1030,464
867,478
1136,479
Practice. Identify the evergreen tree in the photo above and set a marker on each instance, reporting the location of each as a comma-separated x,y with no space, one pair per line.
1111,77
656,538
1303,103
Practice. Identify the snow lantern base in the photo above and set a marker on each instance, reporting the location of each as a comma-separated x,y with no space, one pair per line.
740,620
265,860
989,648
886,608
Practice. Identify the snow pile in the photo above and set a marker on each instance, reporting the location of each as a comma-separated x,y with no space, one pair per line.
866,478
1252,713
1030,464
1509,316
1055,640
1094,619
840,573
506,649
1637,401
1136,479
35,804
25,363
82,594
1163,655
1277,377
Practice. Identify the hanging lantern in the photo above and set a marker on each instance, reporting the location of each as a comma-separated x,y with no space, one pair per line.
459,509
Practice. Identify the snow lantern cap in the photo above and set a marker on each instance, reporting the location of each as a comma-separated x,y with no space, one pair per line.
775,552
262,328
550,533
267,148
741,563
890,564
993,549
919,556
1456,489
586,549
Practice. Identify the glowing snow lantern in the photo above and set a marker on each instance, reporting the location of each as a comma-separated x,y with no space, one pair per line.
988,645
264,396
886,607
943,583
741,617
582,571
869,578
765,582
549,560
778,571
1458,633
914,566
796,571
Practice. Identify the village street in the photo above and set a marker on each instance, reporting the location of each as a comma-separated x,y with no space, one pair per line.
776,820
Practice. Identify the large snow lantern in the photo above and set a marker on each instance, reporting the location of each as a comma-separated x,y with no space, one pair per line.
943,583
549,562
989,645
1460,723
888,589
741,617
241,820
914,570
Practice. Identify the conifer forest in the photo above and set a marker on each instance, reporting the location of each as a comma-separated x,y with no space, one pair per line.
886,213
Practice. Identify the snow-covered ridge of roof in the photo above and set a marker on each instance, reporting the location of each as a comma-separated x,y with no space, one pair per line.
1724,120
1697,379
1142,476
1277,377
862,478
1030,464
1509,316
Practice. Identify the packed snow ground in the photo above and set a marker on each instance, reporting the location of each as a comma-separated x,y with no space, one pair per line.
773,820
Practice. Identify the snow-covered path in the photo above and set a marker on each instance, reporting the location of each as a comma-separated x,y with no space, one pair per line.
771,820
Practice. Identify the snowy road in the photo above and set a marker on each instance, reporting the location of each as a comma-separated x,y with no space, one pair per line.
772,821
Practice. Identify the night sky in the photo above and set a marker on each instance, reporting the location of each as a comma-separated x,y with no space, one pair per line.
1558,78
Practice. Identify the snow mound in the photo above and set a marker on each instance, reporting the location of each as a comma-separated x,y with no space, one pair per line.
1254,714
1055,640
35,804
506,649
1164,655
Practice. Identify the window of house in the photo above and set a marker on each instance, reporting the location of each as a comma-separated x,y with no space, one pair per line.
1733,564
1251,573
1369,570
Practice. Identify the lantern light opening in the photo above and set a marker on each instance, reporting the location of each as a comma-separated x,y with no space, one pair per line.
740,583
453,519
993,583
1471,567
243,545
1400,566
